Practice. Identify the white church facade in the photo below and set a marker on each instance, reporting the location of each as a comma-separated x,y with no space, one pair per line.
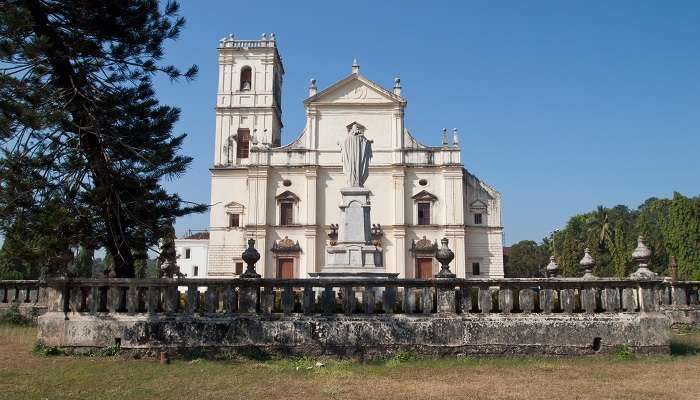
287,197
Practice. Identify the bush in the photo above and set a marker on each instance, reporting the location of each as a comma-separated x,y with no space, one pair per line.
12,316
44,350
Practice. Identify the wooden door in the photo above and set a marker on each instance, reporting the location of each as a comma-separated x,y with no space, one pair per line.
285,268
424,268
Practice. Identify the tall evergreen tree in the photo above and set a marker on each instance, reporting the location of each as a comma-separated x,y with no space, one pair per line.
81,128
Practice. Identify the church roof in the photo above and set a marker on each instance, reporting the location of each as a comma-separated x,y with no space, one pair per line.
355,77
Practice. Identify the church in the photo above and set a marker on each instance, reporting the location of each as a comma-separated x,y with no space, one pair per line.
287,196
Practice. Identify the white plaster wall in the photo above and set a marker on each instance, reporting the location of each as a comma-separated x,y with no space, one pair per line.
198,256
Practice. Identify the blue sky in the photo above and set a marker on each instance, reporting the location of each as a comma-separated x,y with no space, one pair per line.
561,105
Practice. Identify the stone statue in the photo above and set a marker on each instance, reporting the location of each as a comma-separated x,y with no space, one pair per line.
356,151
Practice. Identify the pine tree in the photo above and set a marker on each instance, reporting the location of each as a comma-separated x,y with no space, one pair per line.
81,128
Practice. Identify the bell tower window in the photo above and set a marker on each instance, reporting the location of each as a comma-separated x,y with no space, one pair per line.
246,78
243,143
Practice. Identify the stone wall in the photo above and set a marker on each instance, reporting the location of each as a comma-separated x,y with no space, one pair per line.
365,336
366,318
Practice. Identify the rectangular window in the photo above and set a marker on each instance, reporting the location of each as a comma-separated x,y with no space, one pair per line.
195,270
234,220
242,143
187,254
477,219
286,213
239,268
476,269
423,213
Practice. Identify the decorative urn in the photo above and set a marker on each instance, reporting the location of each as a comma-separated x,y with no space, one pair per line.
445,256
250,256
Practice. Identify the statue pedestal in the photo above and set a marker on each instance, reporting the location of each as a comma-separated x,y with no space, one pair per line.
354,253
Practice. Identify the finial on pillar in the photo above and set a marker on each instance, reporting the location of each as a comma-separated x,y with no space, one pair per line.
272,36
587,262
455,137
312,87
444,256
674,269
355,66
263,36
552,269
642,255
444,136
397,86
250,256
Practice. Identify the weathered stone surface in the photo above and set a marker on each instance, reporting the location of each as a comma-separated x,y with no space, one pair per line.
287,300
611,299
505,300
446,300
546,300
367,336
426,299
389,299
526,298
588,300
247,299
567,300
629,300
485,301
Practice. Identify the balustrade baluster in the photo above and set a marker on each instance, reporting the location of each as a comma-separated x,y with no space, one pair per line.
679,295
588,300
526,298
647,299
153,298
547,300
505,300
267,300
230,299
368,300
611,299
664,295
389,299
485,300
132,300
287,300
328,300
409,300
629,299
348,300
308,300
172,299
426,300
22,295
567,300
248,299
192,299
76,299
3,294
692,295
465,299
12,294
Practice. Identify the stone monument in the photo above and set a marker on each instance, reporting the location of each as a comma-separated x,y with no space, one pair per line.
353,253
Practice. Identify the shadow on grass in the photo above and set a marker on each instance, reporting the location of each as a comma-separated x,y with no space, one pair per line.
681,348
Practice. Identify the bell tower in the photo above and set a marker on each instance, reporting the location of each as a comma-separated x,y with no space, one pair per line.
249,98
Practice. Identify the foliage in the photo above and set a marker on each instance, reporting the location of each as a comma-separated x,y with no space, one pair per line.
526,259
41,349
670,227
84,143
12,316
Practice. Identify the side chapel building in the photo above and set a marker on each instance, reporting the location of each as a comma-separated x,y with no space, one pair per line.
286,197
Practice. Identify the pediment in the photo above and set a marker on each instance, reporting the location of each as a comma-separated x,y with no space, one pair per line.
234,207
478,205
287,196
424,195
355,89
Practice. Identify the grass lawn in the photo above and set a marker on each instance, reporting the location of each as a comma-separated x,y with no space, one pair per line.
25,375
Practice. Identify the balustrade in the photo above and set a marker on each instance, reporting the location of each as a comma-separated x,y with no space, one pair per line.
220,297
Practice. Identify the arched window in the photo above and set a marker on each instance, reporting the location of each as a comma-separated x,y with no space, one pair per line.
246,78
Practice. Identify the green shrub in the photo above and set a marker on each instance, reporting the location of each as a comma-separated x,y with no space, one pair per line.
623,352
401,357
44,350
12,316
